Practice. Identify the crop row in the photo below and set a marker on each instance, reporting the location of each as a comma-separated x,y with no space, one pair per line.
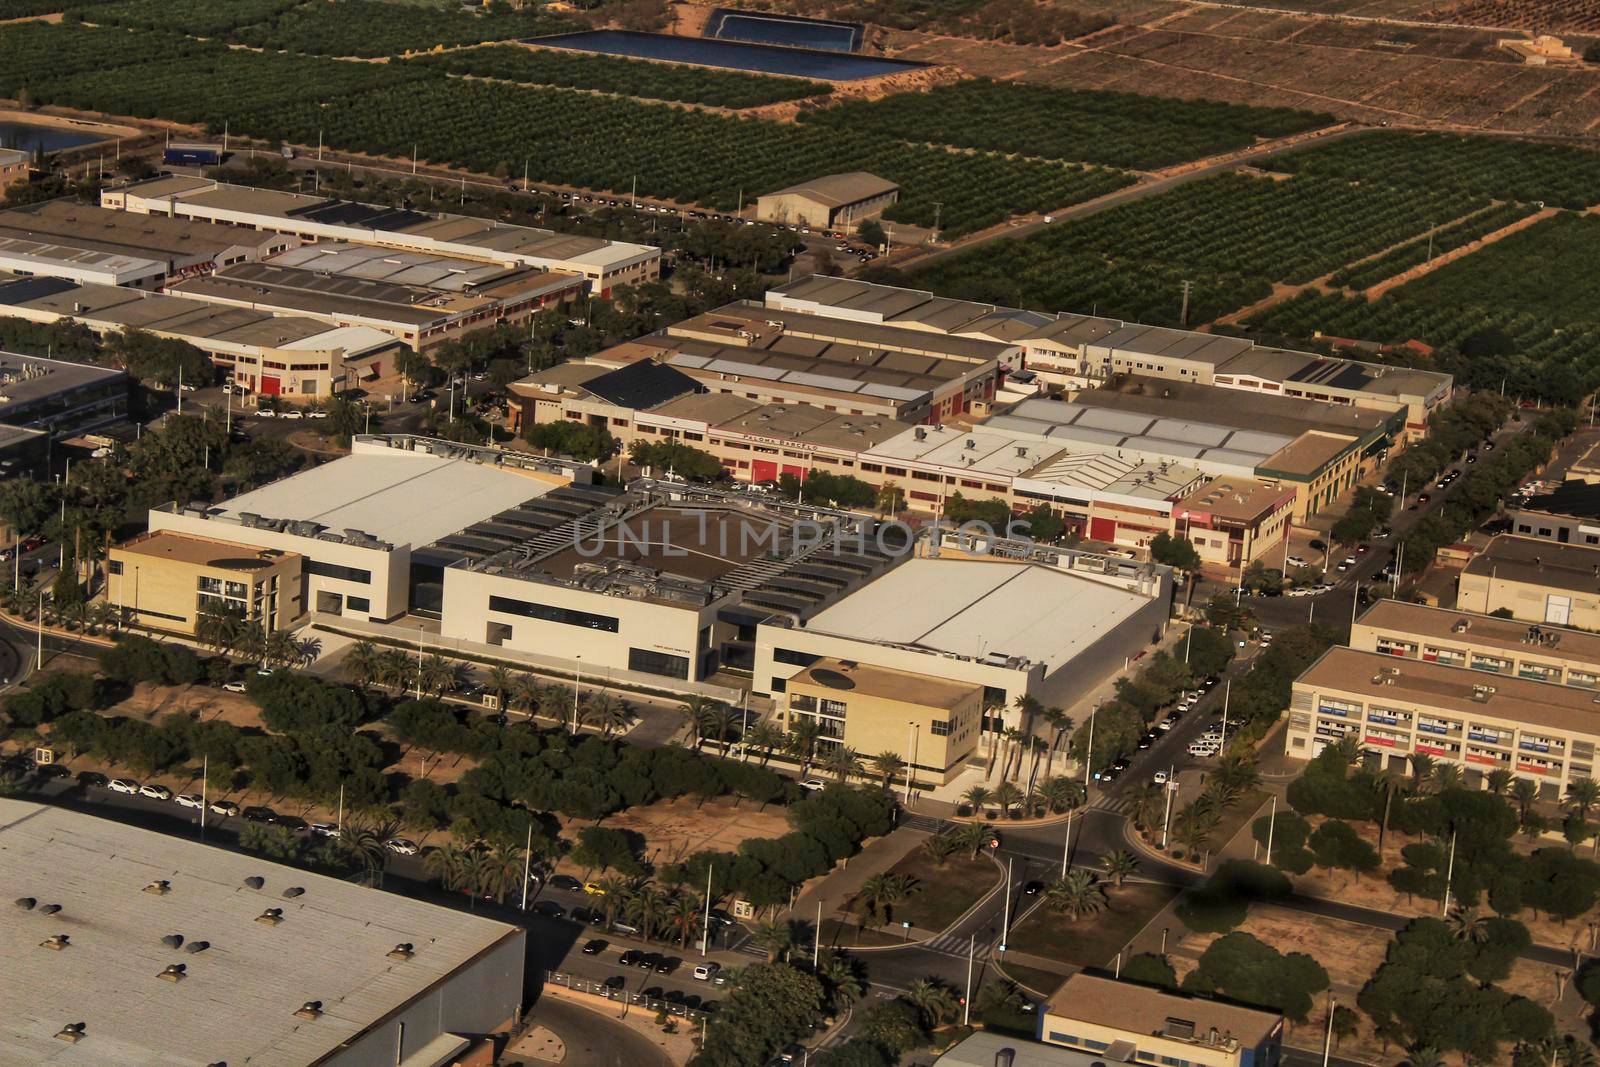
1398,260
1292,231
1486,346
1117,129
1552,267
565,137
211,18
1501,168
627,77
36,52
371,28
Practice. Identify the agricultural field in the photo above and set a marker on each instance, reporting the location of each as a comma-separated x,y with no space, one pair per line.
1533,355
213,18
371,28
1484,166
624,77
1116,129
1541,16
673,153
36,52
1402,258
1551,268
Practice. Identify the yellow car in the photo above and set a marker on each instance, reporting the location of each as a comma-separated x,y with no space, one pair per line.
594,889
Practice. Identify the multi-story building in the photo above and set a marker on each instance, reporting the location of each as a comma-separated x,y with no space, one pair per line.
1122,1022
1569,515
168,581
1534,580
1080,351
1488,643
1393,708
602,264
934,721
14,163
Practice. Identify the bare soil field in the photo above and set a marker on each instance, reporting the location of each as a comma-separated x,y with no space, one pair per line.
677,828
1540,16
1367,71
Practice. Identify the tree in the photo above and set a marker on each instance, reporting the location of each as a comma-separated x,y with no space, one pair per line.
935,1000
1149,969
880,894
887,765
1176,552
1242,967
977,798
1078,894
775,938
871,231
1119,865
1467,925
841,761
771,1006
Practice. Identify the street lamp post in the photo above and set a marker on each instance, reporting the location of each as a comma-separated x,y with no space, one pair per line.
577,680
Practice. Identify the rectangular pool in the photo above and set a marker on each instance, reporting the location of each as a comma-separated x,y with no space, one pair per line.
733,55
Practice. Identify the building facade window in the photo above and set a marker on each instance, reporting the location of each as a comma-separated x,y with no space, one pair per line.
550,613
334,570
662,663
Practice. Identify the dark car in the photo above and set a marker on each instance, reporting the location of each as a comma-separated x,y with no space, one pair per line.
667,964
257,813
616,981
1147,740
649,960
549,909
293,822
595,947
1032,889
565,881
630,958
91,778
1422,498
51,770
580,915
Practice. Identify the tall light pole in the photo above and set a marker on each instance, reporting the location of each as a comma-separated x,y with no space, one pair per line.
1166,821
1327,1041
1450,873
966,1005
527,864
911,730
577,680
705,925
1005,924
1272,824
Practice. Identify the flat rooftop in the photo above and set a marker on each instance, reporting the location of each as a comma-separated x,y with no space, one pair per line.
1489,631
837,190
201,551
42,256
885,683
1146,1010
699,544
1236,499
983,610
1379,676
1310,371
397,495
1190,401
805,425
981,450
125,233
1307,455
1194,441
1574,499
26,381
1539,561
237,1003
983,1048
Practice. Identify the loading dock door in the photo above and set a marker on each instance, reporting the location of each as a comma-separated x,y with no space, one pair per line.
763,470
1557,610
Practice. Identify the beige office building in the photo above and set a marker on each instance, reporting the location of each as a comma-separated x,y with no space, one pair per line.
1540,731
1121,1022
841,200
1535,580
1487,643
931,722
166,581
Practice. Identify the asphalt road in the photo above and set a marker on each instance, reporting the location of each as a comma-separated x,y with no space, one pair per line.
592,1039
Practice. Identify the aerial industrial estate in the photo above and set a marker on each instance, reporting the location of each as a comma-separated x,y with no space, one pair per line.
1034,534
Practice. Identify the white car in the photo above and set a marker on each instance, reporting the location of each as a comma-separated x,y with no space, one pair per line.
155,792
266,413
1159,778
325,829
225,808
1202,750
233,687
189,800
123,785
706,971
292,415
316,413
815,785
1296,561
401,846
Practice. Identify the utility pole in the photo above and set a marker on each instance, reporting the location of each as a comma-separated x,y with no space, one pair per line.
1450,873
966,1005
577,680
1166,822
1272,824
1183,316
1005,925
705,926
527,863
1327,1042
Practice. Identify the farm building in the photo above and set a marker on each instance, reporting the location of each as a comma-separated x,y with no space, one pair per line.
836,200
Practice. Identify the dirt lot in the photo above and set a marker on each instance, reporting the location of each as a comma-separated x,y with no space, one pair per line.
1368,71
674,829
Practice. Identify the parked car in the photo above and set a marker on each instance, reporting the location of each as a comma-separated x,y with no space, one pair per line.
594,946
594,889
401,846
630,958
1159,778
706,971
565,881
325,829
648,961
155,791
549,909
234,686
226,808
123,785
94,778
189,800
667,964
815,785
616,981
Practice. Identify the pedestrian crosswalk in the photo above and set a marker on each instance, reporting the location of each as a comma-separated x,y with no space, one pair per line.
1117,804
950,945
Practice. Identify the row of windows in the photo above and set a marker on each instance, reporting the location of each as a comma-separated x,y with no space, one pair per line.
550,613
334,570
649,661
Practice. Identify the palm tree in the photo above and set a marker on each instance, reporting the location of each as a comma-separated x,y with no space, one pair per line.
880,894
1146,799
1467,925
646,906
1037,745
606,711
1391,787
1238,771
526,692
1008,796
1446,776
1078,894
1499,780
1583,794
1575,1052
364,662
802,742
480,876
939,847
1196,823
1061,793
693,712
977,798
1524,793
437,675
1119,865
933,999
841,977
1013,738
1060,726
506,863
395,671
685,916
1028,710
841,761
1425,1056
719,722
615,891
446,864
766,736
972,837
1421,772
364,845
887,765
500,681
774,938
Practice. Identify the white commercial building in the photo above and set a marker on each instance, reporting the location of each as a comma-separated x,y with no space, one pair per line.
604,264
131,948
357,519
